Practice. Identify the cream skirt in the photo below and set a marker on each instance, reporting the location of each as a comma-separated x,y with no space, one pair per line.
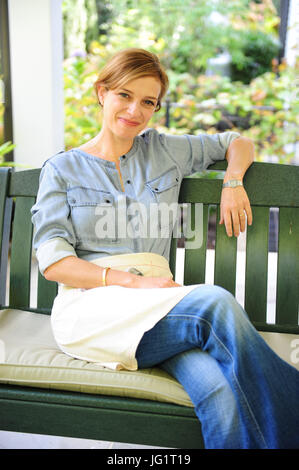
106,324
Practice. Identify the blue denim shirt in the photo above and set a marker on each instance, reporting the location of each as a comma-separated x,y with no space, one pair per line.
81,209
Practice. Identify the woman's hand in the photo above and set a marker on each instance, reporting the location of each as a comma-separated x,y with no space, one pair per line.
142,282
234,207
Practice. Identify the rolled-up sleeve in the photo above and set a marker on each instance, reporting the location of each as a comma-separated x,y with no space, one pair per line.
196,152
54,237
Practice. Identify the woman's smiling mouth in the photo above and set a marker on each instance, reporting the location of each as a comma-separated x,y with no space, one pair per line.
127,122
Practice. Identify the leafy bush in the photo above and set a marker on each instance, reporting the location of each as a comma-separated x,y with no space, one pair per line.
266,110
255,101
4,149
254,55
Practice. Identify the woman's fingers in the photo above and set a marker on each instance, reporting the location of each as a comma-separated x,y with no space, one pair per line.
234,210
152,282
248,212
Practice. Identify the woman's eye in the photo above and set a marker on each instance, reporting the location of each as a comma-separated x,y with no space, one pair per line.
124,95
149,103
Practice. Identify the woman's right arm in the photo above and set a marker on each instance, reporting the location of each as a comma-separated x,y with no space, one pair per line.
76,272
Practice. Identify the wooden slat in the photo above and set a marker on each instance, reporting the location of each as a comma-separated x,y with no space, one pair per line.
4,215
121,419
263,183
225,258
206,191
5,249
24,183
257,265
277,328
4,182
195,259
287,299
172,256
47,291
20,265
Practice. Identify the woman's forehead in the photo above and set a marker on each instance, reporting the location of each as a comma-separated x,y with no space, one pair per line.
147,85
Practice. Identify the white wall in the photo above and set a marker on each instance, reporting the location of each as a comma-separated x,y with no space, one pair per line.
292,53
292,38
36,42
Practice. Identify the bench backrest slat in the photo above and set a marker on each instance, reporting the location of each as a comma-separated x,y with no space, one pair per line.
225,258
195,258
257,265
5,211
20,263
46,293
4,180
288,266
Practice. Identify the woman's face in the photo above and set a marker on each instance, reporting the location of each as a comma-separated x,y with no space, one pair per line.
128,109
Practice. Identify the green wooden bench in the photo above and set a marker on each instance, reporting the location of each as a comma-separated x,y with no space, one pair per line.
49,409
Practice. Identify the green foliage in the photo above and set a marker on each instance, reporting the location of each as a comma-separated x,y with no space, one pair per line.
254,55
1,111
4,149
80,102
256,101
266,110
185,33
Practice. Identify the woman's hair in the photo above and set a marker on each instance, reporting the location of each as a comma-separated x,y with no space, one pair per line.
130,64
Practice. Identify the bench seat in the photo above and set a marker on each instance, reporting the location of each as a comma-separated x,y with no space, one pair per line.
29,356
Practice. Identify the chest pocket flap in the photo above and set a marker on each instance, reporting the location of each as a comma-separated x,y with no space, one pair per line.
165,181
81,196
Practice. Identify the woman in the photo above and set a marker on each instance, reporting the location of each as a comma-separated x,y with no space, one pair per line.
87,239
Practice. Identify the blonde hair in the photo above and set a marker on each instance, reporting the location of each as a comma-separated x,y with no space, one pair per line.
130,64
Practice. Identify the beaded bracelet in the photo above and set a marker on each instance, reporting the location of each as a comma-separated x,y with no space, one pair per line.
104,275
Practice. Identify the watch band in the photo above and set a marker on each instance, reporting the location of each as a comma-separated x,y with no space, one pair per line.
232,184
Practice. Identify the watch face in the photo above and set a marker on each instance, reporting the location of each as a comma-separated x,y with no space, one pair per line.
233,184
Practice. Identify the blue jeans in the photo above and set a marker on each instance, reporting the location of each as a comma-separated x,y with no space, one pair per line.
244,395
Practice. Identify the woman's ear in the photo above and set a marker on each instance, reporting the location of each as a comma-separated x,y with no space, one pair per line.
102,90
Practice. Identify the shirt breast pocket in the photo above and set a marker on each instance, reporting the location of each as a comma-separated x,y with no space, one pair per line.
165,192
93,215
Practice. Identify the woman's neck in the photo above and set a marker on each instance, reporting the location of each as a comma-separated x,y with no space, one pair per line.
106,146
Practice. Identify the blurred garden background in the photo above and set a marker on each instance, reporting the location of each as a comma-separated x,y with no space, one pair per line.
225,61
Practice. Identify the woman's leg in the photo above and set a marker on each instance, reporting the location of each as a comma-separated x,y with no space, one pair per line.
212,396
264,386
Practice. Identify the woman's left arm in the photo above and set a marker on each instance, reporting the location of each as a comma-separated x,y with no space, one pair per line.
235,205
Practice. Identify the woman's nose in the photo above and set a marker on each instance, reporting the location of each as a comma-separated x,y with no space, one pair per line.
134,108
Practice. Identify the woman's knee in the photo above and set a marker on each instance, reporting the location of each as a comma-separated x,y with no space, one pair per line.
216,303
214,295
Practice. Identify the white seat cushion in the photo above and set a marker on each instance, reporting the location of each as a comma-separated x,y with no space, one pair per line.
29,356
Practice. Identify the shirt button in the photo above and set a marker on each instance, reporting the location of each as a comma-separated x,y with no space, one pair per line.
123,157
128,182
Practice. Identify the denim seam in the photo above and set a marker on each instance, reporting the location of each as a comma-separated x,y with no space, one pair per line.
232,359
